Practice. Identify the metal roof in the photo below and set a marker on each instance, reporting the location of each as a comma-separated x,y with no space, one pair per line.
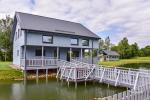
112,53
40,23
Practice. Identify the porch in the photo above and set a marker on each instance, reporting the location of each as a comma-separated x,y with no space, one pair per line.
46,57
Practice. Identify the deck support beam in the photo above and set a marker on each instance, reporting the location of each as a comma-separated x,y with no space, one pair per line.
75,84
25,76
37,75
46,75
85,83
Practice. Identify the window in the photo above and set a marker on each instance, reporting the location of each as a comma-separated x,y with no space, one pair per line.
85,42
38,52
47,39
18,33
16,36
74,41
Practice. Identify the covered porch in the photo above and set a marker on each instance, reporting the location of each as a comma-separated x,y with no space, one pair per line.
46,57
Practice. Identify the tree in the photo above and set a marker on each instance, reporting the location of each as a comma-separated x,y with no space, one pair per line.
134,50
124,48
107,43
101,44
5,38
114,48
145,51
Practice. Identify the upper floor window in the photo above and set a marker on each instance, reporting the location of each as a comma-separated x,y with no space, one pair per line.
47,39
85,42
74,41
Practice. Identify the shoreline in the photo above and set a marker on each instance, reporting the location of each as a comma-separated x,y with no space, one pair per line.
33,76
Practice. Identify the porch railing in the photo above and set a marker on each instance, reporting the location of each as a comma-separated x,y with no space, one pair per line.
39,62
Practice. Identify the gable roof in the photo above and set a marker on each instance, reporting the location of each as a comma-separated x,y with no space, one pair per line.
112,53
40,23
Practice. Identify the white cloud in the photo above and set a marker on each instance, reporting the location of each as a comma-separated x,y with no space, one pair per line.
129,17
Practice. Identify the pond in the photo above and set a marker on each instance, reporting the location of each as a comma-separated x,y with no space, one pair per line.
53,90
137,65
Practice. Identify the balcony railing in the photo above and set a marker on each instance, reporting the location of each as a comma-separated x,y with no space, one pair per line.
39,62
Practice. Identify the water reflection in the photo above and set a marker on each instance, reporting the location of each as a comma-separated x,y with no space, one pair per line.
53,90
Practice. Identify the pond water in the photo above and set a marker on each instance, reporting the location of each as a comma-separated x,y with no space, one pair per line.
137,65
53,90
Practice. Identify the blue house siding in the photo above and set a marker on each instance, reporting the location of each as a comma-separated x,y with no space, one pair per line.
49,52
18,41
30,52
59,41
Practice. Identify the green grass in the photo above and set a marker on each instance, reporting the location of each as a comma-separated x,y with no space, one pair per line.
8,73
137,60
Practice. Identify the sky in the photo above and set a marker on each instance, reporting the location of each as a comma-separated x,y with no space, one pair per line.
113,18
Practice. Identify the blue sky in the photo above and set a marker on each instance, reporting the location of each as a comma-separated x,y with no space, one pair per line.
113,18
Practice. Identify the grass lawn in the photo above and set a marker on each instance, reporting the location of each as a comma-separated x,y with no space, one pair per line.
137,60
8,73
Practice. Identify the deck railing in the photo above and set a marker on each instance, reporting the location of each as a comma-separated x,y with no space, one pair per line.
39,62
131,78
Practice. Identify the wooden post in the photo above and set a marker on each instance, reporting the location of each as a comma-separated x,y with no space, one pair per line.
25,76
85,83
57,57
37,75
68,83
46,75
70,53
25,73
25,57
42,56
57,52
92,55
81,54
97,55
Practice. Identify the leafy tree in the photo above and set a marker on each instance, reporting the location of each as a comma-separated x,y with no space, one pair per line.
145,51
114,48
101,44
5,38
107,43
124,48
135,50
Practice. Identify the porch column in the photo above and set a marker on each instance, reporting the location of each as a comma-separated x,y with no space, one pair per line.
70,53
97,59
57,52
25,69
81,54
25,57
42,56
91,53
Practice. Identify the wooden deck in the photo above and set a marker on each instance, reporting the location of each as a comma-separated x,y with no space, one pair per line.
137,80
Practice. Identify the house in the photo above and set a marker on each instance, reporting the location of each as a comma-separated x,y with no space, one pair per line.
108,55
38,42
